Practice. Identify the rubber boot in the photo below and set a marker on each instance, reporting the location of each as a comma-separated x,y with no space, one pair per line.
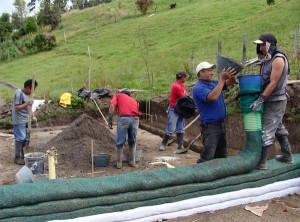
164,142
132,150
25,144
262,165
19,155
285,149
180,141
119,154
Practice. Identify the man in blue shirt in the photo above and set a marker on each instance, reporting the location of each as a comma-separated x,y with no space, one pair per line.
207,94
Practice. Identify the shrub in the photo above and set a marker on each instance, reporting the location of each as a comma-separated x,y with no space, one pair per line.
30,25
45,41
271,2
144,5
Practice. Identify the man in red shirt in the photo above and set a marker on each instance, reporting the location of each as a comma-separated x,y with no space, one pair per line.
128,123
175,122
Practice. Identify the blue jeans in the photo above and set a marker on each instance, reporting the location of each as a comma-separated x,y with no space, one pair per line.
21,132
127,126
175,122
214,141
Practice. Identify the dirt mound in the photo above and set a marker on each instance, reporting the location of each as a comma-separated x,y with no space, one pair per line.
73,144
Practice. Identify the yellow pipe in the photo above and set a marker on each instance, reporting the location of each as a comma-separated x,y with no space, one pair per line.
52,160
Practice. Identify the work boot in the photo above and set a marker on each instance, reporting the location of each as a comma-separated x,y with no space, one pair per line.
180,141
25,144
119,153
19,155
164,142
132,150
285,149
262,164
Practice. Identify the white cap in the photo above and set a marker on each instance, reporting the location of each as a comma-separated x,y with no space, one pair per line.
258,41
204,65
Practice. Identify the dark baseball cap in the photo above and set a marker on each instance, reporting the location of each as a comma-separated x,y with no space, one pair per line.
266,37
181,74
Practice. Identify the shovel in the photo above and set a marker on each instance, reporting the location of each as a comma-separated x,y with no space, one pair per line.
184,150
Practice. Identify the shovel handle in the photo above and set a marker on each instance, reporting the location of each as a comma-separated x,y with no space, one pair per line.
100,112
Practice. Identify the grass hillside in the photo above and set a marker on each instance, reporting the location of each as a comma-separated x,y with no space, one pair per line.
119,38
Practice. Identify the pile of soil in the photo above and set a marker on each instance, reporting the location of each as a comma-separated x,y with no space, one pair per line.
74,144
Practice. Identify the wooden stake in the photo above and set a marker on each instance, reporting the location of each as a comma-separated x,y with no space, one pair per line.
30,108
92,154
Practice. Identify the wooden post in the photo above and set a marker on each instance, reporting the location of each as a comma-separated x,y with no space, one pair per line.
244,59
65,37
89,75
219,53
296,48
219,47
193,61
92,155
30,107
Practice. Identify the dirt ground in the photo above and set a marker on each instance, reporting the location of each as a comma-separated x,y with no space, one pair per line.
74,142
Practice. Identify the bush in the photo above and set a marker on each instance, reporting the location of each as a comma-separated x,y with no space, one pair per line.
30,25
45,41
144,5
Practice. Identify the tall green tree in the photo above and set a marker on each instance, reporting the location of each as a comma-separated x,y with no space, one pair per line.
5,27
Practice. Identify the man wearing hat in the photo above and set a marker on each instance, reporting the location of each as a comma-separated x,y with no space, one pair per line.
274,69
207,94
175,122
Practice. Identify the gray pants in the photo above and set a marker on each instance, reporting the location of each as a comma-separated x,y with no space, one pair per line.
272,121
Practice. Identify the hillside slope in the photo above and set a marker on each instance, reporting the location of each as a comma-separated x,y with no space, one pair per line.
120,39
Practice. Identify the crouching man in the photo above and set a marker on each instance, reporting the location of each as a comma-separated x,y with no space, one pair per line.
128,123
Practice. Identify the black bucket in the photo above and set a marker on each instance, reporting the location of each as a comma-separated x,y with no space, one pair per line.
225,63
102,159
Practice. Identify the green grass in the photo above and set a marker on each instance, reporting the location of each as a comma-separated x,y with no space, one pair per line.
111,32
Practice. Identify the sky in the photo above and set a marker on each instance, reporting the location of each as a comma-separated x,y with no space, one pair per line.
6,6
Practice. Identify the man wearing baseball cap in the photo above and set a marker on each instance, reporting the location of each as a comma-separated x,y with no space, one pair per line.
274,69
175,122
207,94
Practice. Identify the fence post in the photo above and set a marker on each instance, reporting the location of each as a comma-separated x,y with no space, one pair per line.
193,61
244,59
295,55
219,53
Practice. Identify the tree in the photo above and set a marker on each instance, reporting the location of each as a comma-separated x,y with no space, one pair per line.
21,11
5,27
30,25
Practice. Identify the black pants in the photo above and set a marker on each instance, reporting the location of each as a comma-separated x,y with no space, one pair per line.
214,141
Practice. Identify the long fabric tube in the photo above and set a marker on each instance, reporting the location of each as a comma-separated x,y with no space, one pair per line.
71,198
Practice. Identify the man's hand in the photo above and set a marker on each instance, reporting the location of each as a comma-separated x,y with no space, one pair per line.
109,120
228,73
256,105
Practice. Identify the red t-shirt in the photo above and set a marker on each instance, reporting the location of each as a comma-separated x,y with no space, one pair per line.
126,105
177,91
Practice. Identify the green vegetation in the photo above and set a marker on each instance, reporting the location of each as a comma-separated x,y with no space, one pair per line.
112,33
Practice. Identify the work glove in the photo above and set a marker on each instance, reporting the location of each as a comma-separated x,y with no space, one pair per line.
256,105
109,120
